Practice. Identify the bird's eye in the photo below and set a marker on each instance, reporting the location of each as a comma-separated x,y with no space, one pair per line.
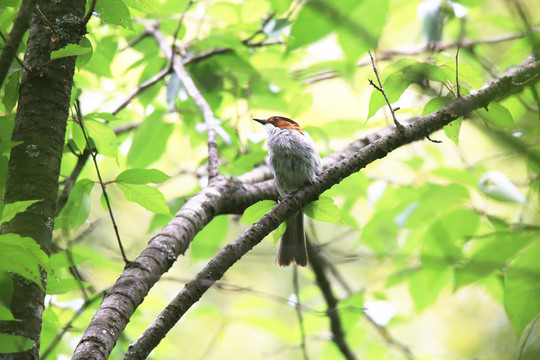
275,118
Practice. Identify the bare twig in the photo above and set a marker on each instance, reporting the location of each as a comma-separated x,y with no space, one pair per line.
338,335
380,88
195,94
15,36
145,85
79,120
433,140
458,87
89,12
177,31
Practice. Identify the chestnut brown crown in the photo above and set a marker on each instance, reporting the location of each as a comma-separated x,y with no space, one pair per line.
281,122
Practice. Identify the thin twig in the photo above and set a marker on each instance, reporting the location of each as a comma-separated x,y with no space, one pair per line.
79,120
195,94
89,13
433,140
381,89
458,87
154,79
298,308
177,30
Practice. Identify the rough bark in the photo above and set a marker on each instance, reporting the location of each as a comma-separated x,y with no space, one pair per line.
34,165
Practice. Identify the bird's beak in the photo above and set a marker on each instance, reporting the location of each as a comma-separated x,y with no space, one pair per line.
261,121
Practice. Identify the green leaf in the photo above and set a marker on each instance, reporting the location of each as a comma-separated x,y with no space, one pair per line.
522,289
12,209
323,210
77,208
70,50
208,240
101,115
380,233
14,344
22,255
278,233
114,12
436,103
434,197
145,6
103,136
61,260
6,314
78,137
11,91
61,286
303,32
361,33
425,285
141,176
487,254
452,130
149,141
85,57
497,115
440,248
257,211
399,77
147,196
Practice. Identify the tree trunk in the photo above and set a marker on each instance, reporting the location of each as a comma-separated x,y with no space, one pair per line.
34,165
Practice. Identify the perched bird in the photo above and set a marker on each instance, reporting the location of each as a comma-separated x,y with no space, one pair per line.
294,162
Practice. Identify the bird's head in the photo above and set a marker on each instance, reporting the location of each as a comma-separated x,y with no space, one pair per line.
280,122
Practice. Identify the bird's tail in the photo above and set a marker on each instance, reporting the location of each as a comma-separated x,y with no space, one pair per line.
292,247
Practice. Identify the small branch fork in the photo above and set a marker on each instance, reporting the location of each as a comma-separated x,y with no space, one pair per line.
399,127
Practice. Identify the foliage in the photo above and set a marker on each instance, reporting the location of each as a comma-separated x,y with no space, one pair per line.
414,230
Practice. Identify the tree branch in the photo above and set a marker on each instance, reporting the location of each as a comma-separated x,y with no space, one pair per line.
338,336
21,24
195,94
229,196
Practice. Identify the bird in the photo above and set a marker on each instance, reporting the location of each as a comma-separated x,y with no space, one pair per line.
295,162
